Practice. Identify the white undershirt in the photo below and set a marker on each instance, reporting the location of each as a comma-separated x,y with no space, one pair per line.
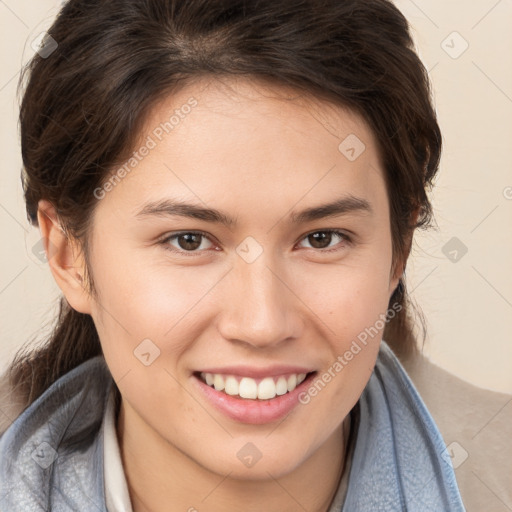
116,490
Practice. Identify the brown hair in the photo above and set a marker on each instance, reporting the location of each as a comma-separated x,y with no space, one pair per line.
84,104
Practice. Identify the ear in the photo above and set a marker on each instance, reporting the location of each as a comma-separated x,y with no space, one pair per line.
64,257
398,270
394,279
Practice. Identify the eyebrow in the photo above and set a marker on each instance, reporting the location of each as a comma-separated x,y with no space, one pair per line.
175,207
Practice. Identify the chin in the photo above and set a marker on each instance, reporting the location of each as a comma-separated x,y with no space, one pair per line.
250,460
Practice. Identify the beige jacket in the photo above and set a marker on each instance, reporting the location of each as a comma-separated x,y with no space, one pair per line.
476,425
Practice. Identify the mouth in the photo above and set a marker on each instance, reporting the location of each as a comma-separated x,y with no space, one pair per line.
253,396
254,389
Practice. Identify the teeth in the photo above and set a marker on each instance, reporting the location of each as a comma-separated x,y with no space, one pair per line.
292,382
218,382
267,389
281,386
231,386
248,388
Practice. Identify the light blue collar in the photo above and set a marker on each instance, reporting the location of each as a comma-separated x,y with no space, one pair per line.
400,460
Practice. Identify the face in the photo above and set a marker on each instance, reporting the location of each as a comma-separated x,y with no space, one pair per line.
211,253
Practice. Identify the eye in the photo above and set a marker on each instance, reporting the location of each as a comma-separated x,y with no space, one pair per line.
186,242
192,242
322,239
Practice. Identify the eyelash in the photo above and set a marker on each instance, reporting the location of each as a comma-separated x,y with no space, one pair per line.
165,242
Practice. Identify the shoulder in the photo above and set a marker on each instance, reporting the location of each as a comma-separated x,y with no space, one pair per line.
11,403
475,425
57,438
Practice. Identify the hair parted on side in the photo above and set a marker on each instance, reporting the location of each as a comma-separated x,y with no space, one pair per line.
84,105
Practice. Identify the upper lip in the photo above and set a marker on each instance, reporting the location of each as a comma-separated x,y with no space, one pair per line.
257,373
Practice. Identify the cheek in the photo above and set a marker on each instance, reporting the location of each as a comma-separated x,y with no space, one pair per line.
353,307
148,296
347,297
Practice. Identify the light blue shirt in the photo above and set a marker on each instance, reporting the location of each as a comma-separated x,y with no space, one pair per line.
52,455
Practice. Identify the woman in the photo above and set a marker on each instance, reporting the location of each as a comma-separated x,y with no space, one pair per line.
211,353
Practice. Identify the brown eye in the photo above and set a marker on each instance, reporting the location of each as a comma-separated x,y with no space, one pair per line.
322,239
189,241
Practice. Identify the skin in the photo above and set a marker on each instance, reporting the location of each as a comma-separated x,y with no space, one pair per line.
257,152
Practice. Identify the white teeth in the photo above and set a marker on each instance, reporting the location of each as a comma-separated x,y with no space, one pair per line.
231,386
218,382
292,382
248,388
281,386
267,389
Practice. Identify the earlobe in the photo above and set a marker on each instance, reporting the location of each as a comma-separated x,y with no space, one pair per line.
398,272
395,273
397,279
394,284
64,257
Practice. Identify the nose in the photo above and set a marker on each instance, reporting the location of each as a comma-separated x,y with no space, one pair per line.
260,308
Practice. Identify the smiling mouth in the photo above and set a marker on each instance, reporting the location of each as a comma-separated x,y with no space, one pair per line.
248,388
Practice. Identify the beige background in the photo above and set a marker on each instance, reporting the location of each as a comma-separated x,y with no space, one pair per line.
466,297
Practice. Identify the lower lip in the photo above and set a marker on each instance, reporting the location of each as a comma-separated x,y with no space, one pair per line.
256,412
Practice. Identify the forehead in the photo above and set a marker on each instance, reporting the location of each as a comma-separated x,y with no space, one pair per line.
249,102
215,138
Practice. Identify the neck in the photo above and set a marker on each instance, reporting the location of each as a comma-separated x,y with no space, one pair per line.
158,474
